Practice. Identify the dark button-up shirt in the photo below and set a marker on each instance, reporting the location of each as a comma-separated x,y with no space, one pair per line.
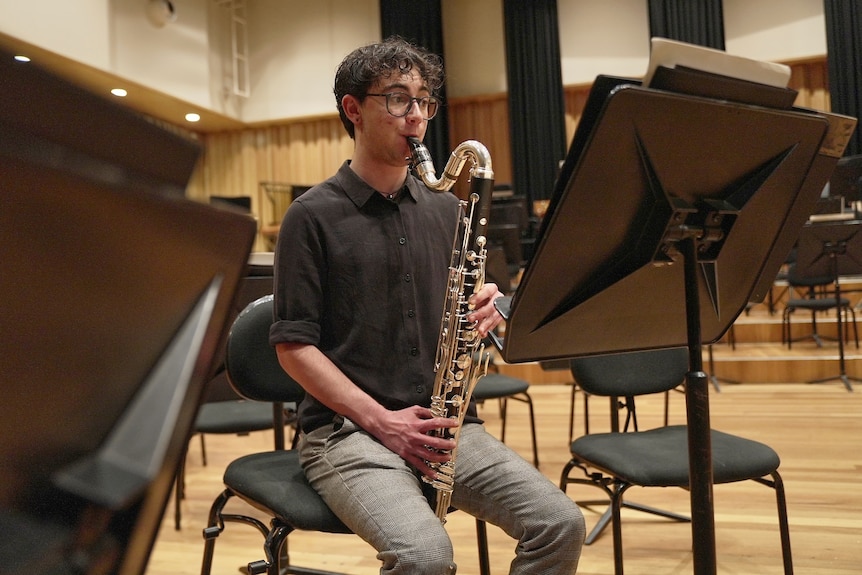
363,278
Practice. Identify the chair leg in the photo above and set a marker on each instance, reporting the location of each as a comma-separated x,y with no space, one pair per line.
564,477
272,549
179,492
523,398
482,542
529,401
666,408
203,450
572,413
783,524
586,413
785,328
855,329
213,529
607,516
616,526
503,404
277,557
215,525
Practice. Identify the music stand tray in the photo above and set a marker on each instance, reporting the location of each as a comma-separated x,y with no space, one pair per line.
666,201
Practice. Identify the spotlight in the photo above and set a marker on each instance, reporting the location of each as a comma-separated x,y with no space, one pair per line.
160,12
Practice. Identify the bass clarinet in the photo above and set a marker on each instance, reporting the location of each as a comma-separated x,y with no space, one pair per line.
461,359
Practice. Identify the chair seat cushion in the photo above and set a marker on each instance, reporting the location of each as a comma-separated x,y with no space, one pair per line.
275,483
234,416
659,457
816,304
495,385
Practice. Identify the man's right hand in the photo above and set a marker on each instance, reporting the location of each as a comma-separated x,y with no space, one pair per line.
407,432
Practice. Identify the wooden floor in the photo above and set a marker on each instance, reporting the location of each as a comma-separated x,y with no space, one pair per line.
816,429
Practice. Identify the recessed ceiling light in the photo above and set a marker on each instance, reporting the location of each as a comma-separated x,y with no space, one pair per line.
22,58
192,117
119,92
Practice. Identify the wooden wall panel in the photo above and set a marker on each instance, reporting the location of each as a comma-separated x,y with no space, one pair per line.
301,152
811,79
306,151
486,120
576,98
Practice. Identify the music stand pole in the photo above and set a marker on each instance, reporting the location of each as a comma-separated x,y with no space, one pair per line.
699,433
833,250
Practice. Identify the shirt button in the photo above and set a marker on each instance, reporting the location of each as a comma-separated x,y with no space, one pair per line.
402,241
420,389
414,352
407,278
411,313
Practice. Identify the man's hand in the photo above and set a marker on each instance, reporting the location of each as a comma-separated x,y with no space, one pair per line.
406,432
484,314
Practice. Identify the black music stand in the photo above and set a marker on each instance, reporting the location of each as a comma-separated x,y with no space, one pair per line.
666,201
832,249
115,297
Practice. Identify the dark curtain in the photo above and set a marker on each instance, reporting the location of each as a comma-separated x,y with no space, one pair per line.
421,22
698,22
844,60
536,101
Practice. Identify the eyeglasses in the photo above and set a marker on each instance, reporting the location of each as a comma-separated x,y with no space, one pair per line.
399,104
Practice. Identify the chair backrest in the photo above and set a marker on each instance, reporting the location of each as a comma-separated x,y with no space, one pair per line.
795,278
250,361
631,373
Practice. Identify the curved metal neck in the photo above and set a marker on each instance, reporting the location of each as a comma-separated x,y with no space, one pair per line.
475,151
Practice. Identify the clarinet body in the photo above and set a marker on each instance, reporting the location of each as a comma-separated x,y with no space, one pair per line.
461,359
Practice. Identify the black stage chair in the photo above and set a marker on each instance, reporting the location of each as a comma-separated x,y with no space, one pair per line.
223,412
241,203
273,481
817,297
503,388
658,457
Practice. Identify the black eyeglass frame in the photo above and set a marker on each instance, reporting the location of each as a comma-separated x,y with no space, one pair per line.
429,99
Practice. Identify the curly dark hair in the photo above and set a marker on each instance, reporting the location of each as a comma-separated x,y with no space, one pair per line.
364,66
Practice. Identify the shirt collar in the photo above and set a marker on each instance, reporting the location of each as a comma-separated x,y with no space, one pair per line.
360,192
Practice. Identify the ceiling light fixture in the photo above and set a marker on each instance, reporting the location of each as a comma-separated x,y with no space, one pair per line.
119,92
22,58
160,12
192,117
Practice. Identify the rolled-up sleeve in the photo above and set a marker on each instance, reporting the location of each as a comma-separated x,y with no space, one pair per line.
298,283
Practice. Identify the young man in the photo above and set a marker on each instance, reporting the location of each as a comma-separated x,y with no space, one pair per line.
361,274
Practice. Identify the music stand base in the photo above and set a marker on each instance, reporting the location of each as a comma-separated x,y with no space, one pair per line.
816,338
843,377
605,519
714,379
717,381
